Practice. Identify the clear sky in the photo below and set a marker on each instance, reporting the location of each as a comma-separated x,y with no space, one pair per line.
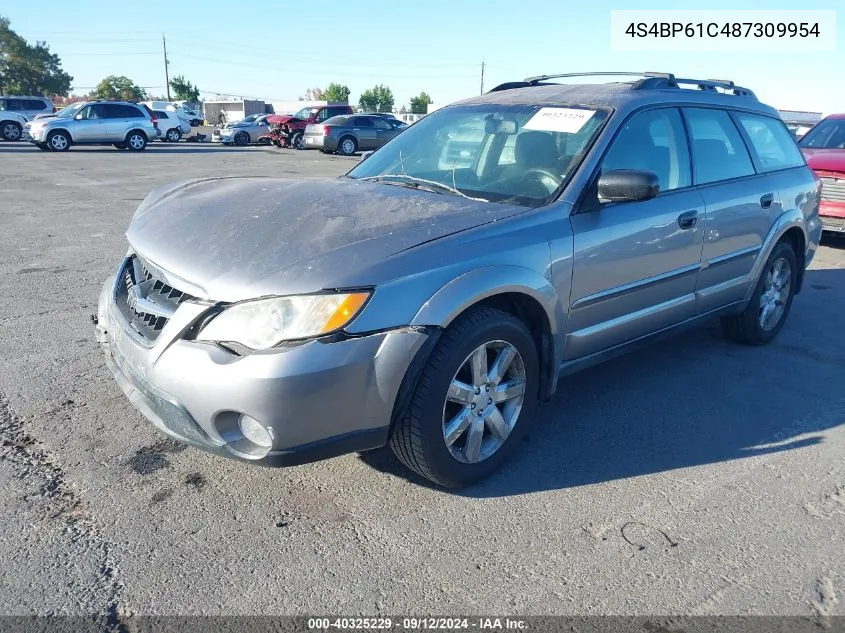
272,50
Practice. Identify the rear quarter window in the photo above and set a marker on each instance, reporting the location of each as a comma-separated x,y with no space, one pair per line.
771,144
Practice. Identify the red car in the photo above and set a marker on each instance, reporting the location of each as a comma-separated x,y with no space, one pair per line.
824,148
289,129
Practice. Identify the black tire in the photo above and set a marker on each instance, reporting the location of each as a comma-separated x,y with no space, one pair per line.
418,435
746,327
241,139
136,141
119,145
345,148
296,140
58,141
11,130
173,135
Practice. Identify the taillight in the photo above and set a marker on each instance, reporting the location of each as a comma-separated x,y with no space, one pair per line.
327,129
155,121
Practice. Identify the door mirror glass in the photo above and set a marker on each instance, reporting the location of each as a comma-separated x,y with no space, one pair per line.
628,185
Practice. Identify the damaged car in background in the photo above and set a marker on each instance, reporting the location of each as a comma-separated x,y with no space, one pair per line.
428,304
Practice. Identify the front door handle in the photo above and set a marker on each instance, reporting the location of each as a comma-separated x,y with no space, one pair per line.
766,201
687,220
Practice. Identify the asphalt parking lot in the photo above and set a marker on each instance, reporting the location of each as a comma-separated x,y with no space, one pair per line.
695,476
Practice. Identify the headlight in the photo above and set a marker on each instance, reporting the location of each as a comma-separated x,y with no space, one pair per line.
265,323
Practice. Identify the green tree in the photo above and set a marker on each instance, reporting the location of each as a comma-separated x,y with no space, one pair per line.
184,90
377,99
29,69
419,104
337,93
114,87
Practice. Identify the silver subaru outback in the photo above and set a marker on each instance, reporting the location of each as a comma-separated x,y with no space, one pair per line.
431,297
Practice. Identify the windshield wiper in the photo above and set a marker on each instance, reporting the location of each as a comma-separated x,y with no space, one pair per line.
424,184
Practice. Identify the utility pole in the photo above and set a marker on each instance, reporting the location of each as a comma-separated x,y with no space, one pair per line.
482,77
166,75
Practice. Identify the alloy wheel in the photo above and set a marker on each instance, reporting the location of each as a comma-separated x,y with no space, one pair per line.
136,141
484,401
58,142
11,132
775,294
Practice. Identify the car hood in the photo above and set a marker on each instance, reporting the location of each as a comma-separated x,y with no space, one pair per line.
243,237
825,159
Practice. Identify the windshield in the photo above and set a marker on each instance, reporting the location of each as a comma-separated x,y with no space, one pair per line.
829,134
305,113
516,154
69,111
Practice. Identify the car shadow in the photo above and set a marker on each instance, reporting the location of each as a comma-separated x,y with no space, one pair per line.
691,400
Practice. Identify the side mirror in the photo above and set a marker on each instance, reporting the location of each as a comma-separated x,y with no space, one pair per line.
628,185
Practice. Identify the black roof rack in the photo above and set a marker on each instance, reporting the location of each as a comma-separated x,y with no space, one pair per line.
648,81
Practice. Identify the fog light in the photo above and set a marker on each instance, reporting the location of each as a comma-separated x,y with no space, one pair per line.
254,431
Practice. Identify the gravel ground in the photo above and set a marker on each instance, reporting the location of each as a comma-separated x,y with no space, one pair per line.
695,476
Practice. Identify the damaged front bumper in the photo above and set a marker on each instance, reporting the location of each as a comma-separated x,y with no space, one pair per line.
316,399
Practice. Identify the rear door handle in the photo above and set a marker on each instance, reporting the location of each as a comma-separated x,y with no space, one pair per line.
766,201
687,220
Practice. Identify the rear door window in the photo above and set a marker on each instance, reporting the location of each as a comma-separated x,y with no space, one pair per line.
362,121
718,151
771,143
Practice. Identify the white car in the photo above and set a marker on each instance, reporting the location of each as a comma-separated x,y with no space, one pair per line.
171,126
182,112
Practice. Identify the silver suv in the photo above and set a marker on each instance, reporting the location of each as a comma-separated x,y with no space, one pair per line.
429,299
124,124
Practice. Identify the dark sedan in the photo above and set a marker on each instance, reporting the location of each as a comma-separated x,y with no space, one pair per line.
348,134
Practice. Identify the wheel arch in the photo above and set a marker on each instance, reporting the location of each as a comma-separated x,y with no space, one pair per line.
139,130
519,291
790,227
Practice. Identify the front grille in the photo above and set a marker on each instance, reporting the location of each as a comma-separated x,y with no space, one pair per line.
833,189
145,301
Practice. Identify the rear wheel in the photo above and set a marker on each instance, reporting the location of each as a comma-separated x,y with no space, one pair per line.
347,146
11,131
173,135
136,141
241,139
296,140
473,402
58,141
766,313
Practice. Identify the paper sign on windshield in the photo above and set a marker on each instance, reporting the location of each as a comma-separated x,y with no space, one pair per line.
569,120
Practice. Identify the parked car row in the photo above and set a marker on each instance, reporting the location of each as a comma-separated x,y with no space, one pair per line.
329,128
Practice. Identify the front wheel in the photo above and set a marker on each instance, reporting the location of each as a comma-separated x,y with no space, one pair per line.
766,313
473,402
173,135
241,139
58,141
296,140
